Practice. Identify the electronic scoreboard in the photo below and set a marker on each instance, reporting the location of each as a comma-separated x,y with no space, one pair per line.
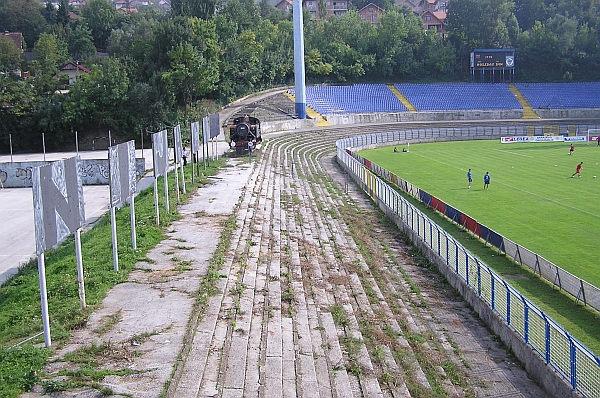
493,58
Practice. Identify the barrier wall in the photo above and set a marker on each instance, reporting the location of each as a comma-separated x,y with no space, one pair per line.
362,118
534,337
92,171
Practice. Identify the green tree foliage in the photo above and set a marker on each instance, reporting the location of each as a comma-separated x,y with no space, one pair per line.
16,98
164,67
62,14
204,9
97,100
23,16
343,43
10,55
81,44
101,18
50,53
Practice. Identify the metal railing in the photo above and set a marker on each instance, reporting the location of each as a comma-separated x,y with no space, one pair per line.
571,359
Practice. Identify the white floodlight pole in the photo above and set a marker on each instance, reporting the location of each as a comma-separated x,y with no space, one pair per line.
299,69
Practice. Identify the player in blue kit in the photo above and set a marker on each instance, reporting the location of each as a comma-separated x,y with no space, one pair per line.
470,177
486,180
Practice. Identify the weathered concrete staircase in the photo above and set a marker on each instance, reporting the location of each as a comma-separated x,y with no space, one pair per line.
402,98
321,297
528,112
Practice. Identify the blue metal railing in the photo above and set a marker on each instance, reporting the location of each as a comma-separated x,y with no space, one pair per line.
577,364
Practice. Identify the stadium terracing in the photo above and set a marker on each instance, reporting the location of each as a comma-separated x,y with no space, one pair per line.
524,100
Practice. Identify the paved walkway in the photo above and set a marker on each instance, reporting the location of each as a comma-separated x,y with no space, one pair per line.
318,296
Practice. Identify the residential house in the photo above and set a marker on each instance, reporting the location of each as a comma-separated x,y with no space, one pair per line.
333,7
73,70
371,13
434,20
420,6
285,5
17,38
164,4
77,3
412,5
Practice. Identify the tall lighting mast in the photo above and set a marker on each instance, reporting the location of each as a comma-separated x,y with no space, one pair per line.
299,80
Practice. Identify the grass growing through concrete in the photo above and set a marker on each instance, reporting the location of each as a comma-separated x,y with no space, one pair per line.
20,313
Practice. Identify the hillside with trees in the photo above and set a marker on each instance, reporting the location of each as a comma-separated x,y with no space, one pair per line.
159,67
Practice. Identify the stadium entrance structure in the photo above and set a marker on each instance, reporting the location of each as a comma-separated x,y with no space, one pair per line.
493,65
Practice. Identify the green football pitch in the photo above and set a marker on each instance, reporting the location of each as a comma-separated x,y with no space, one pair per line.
532,198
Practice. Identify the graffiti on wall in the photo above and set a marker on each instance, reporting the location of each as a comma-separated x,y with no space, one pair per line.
91,172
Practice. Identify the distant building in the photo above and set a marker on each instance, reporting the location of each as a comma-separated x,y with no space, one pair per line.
285,5
125,5
17,38
434,21
77,3
332,7
371,13
73,70
420,6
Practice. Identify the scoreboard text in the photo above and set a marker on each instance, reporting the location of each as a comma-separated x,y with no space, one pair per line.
493,58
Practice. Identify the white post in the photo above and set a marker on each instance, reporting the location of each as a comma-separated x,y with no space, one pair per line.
44,299
76,143
80,278
166,189
156,200
132,218
182,179
113,224
176,170
44,146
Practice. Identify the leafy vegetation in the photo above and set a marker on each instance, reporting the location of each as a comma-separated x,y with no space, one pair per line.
163,67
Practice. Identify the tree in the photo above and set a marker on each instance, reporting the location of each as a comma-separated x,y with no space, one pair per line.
101,18
203,9
190,75
478,24
394,55
23,16
97,100
81,44
49,13
322,9
62,14
10,55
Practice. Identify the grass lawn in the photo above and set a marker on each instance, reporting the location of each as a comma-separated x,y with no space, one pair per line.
532,198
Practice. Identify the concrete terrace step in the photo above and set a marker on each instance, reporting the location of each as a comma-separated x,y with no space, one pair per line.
318,298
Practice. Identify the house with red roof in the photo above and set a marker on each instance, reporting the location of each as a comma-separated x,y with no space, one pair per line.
73,70
371,12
